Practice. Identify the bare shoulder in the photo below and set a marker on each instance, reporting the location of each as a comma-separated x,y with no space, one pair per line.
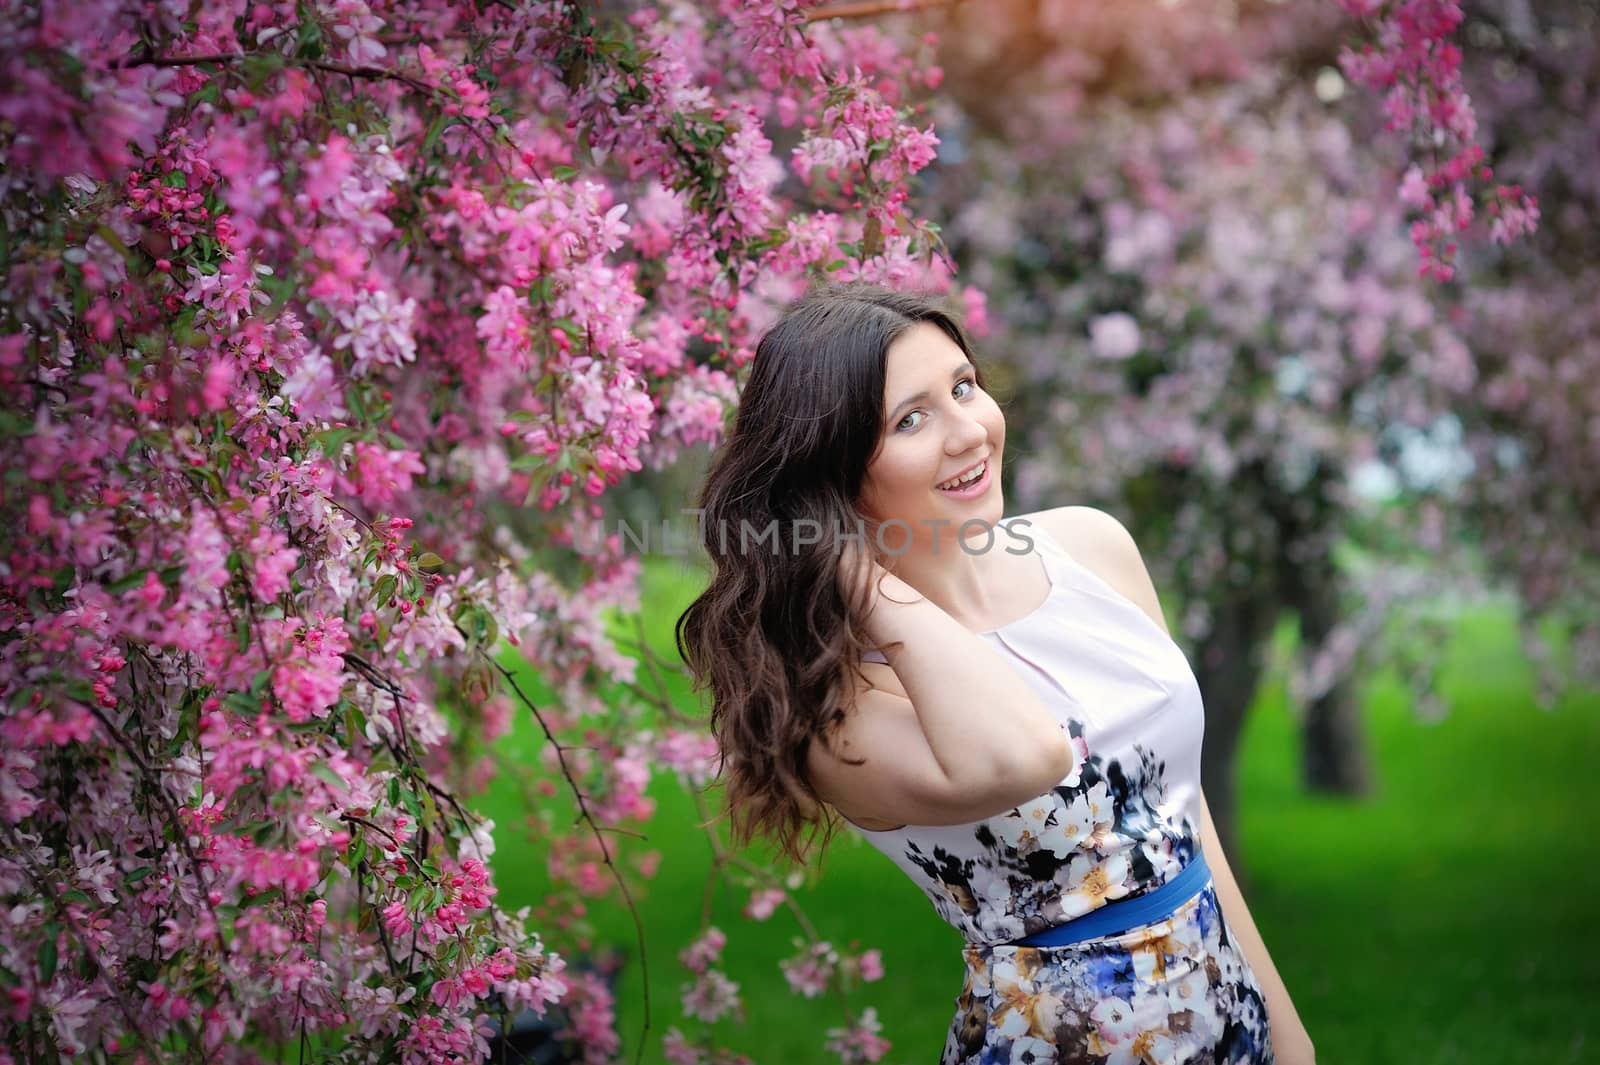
1103,545
1089,534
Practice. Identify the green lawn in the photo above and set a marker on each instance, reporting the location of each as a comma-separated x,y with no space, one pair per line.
1448,918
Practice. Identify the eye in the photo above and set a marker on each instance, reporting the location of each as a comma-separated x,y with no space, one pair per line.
972,387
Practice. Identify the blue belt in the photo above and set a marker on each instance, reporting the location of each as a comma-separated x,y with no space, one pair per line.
1117,917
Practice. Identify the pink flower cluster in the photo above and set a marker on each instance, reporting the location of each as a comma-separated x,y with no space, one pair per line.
1417,65
305,302
861,1041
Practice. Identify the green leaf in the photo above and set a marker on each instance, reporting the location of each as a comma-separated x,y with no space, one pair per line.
138,874
394,791
331,440
259,898
385,588
428,562
309,45
242,703
47,953
434,131
322,771
126,584
355,724
259,68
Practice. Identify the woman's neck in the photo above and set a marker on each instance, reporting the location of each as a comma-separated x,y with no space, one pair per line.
960,580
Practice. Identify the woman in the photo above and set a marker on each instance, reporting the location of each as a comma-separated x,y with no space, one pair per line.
996,706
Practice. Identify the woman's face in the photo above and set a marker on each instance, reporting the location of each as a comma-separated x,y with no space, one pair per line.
937,425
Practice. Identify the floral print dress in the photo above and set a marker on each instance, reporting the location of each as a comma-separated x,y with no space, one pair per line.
1122,823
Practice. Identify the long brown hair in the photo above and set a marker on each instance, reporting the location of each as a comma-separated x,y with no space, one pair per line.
772,636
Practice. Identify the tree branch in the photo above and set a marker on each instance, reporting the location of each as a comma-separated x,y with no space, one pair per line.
871,8
605,851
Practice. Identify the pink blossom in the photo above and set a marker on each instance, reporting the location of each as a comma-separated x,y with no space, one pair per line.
274,562
704,951
692,755
378,330
809,972
679,1051
861,1041
711,996
396,920
355,23
380,475
592,1017
764,903
1114,336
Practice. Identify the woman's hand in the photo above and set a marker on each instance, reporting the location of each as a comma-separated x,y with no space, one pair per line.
858,566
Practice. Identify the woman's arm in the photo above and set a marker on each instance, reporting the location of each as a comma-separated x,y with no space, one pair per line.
1100,542
1291,1043
963,738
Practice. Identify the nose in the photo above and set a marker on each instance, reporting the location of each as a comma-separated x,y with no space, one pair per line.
966,434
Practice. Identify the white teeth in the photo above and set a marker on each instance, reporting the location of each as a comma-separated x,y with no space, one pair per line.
962,482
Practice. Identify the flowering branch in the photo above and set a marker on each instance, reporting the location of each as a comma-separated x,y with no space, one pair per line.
587,816
871,9
1415,61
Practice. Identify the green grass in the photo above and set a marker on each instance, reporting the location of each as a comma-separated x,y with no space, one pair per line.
1445,919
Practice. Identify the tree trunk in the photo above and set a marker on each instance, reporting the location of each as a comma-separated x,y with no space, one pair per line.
1333,746
1228,665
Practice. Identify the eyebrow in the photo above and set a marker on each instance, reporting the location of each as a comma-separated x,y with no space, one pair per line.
963,368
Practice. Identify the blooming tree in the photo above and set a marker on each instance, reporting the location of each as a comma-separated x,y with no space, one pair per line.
305,306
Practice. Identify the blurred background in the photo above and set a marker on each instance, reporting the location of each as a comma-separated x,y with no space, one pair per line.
1370,501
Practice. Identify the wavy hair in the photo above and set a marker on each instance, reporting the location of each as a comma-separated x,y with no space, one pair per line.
772,636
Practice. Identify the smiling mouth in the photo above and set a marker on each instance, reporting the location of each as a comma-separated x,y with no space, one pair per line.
965,480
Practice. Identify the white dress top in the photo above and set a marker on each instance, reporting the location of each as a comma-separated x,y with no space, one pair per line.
1124,820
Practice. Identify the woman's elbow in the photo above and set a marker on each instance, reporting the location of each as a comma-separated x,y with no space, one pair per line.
1045,763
